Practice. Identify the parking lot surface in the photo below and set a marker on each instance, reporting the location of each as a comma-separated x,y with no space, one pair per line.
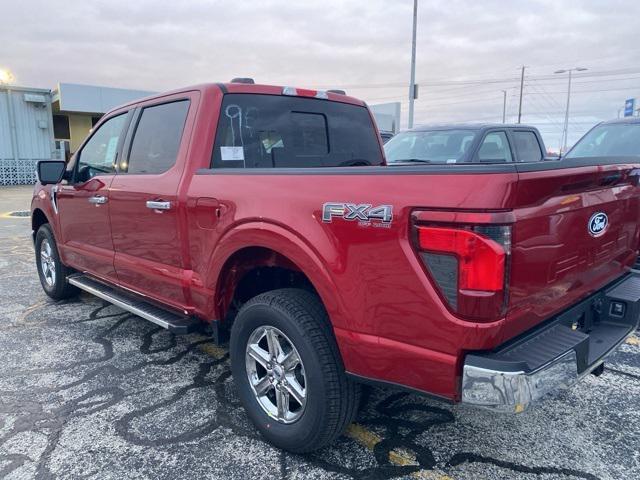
90,391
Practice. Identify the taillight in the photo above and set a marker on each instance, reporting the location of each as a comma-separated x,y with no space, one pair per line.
470,267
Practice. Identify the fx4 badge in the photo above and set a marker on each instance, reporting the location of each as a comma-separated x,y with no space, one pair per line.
364,213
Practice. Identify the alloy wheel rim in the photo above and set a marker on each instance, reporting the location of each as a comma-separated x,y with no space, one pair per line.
276,374
47,263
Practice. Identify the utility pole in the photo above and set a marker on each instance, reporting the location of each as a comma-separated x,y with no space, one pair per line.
566,117
565,130
504,106
521,90
412,85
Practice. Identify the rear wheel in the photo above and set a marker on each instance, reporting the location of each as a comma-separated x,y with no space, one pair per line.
52,272
288,371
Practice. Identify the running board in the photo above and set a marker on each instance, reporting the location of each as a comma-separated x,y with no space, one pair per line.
177,324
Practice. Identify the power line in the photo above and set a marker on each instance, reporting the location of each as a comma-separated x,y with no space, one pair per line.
543,112
430,96
551,101
480,81
598,90
492,97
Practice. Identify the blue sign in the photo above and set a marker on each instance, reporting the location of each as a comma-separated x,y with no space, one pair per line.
629,107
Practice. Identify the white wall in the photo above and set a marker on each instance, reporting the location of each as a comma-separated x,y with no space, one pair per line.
26,133
93,99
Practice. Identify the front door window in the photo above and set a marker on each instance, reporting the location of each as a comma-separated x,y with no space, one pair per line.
98,155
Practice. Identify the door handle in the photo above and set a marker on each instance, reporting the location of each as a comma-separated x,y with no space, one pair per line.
98,199
154,205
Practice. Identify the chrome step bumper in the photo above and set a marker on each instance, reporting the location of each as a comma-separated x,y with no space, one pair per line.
554,355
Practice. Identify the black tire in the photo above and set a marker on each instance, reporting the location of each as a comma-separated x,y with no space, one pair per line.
55,286
332,399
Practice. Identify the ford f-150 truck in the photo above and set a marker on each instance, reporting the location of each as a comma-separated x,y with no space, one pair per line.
269,213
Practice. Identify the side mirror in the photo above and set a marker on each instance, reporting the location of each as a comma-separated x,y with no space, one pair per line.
51,172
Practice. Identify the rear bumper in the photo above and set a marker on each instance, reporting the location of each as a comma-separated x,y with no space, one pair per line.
555,354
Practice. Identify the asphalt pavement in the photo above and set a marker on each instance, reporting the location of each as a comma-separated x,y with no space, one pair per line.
90,391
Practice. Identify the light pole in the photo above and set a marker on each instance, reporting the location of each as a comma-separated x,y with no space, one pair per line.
412,85
504,106
565,132
521,92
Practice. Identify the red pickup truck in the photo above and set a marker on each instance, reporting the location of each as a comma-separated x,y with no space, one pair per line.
268,213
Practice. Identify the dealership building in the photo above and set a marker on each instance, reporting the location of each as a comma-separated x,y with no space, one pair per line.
40,124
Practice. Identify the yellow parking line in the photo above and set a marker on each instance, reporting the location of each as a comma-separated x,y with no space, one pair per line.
430,475
633,340
212,350
8,215
363,436
400,457
209,348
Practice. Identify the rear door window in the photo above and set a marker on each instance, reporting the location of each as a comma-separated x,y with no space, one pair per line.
527,146
155,144
272,131
494,148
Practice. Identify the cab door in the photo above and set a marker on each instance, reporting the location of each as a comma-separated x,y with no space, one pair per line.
83,203
144,205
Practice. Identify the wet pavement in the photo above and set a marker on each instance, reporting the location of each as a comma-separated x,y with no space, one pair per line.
90,391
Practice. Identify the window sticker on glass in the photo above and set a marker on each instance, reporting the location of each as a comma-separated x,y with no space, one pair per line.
232,153
110,154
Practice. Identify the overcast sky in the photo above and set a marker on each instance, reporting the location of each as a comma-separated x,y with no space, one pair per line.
468,51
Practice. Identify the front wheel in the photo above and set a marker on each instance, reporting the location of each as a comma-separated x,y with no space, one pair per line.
52,272
288,371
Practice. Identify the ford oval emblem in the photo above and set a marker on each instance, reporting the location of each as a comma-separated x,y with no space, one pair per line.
598,224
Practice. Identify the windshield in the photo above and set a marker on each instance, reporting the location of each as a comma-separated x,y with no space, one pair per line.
429,146
609,140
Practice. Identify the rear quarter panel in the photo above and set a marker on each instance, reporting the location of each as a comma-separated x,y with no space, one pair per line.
384,310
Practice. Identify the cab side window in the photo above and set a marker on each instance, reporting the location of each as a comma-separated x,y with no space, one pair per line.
98,155
527,146
156,141
494,148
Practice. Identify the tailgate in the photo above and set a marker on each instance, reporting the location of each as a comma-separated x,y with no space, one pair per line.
576,230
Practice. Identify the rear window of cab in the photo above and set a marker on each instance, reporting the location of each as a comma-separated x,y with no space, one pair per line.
272,131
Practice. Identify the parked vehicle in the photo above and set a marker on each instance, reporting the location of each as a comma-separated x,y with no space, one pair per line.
269,212
385,135
613,138
467,143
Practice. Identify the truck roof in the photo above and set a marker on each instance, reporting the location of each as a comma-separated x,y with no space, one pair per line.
622,120
231,87
469,126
